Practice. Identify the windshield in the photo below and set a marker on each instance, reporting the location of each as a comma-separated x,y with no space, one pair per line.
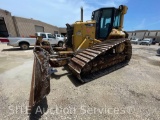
116,19
105,22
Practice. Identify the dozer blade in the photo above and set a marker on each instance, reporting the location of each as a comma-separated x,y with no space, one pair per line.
40,84
100,59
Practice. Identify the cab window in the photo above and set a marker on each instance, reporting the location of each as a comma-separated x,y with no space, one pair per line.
105,22
43,35
50,36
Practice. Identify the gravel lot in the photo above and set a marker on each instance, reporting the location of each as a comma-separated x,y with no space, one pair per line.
130,93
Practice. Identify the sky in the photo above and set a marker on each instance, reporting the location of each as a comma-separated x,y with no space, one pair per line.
141,14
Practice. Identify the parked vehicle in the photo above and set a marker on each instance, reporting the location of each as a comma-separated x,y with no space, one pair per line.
152,39
146,41
51,38
135,40
156,39
24,43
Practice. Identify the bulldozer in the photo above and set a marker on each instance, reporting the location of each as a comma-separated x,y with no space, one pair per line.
92,49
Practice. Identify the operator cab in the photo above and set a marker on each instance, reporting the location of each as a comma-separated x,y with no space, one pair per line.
106,19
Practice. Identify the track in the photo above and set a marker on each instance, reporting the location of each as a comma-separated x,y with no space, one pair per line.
100,59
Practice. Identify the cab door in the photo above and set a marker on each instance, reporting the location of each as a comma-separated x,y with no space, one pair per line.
52,39
49,37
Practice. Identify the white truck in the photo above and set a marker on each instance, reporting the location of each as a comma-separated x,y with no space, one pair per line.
135,40
146,41
24,43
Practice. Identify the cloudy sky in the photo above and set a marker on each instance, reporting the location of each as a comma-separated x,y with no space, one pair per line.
142,14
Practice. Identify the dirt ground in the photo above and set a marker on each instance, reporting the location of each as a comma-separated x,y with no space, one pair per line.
130,93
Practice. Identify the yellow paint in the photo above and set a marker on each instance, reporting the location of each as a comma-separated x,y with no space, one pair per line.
65,52
116,33
84,34
124,11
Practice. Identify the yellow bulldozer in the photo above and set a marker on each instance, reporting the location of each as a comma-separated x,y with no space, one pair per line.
92,49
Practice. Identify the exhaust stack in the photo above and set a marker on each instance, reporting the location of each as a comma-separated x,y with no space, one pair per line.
82,14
